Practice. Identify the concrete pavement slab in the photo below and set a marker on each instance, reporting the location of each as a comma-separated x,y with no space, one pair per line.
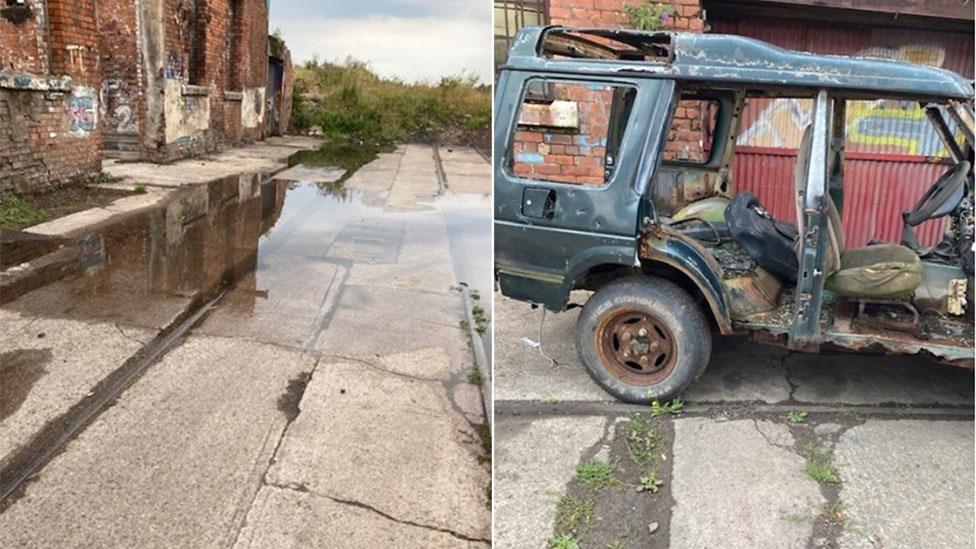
388,442
743,371
907,483
857,379
739,484
535,458
175,462
49,365
370,322
285,518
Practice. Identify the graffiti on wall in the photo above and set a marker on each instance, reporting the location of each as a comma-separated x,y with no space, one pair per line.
884,126
187,116
82,113
115,107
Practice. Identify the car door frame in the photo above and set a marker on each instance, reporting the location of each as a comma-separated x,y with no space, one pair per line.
539,260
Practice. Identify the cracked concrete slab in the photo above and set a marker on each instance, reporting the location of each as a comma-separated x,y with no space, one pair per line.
907,483
535,458
283,518
389,442
734,485
415,182
174,463
49,365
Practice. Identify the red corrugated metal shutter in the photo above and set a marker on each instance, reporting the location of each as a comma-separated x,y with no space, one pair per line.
891,155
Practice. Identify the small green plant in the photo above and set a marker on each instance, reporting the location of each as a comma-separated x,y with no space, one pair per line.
673,407
796,416
647,16
17,212
475,295
823,472
641,442
551,401
597,474
573,517
649,481
475,377
565,541
623,541
480,319
104,177
818,467
463,324
140,188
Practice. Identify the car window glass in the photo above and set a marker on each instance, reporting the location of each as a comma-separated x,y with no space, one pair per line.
570,132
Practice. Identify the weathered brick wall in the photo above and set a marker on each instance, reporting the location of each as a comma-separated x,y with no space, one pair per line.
48,98
287,92
23,40
685,137
542,150
121,97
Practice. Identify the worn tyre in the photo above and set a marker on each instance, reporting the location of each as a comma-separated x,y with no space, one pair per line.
643,339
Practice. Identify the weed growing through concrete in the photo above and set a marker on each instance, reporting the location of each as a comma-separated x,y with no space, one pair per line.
642,449
796,416
463,324
597,474
573,518
564,541
818,468
673,407
475,376
480,319
140,188
649,481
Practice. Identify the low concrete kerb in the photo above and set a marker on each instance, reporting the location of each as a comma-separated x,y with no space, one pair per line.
478,349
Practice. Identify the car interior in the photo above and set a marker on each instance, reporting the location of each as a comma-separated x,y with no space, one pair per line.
893,289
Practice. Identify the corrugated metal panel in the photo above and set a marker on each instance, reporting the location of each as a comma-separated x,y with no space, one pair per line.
887,142
876,192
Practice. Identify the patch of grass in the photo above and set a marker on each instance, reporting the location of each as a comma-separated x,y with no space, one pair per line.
139,188
824,472
564,541
17,212
475,295
641,442
551,401
475,377
348,101
463,324
818,467
573,518
480,319
796,416
104,177
597,474
673,407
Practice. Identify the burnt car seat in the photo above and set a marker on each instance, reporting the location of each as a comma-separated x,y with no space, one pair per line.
876,272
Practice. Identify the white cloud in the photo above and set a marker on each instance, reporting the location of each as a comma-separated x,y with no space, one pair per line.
415,48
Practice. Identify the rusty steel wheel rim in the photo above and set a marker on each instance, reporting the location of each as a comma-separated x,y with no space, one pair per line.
635,346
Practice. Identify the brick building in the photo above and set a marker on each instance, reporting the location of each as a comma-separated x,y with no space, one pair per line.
157,80
891,153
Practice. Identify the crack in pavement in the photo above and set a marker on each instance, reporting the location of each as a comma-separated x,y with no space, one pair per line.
305,490
263,481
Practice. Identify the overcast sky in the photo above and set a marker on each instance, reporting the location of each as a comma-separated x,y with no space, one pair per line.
412,39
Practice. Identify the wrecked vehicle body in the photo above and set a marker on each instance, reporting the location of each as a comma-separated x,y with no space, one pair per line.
587,197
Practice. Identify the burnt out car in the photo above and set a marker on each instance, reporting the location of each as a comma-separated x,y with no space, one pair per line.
614,173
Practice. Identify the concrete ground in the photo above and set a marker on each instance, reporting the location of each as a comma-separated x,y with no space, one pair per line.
882,458
323,401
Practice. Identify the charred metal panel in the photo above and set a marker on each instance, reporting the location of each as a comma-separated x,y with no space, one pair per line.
671,248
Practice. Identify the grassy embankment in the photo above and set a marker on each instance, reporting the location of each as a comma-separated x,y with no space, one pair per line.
348,102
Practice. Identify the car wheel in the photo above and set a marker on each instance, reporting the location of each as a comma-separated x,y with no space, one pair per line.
643,339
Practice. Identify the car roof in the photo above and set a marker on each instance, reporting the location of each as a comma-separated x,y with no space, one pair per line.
725,58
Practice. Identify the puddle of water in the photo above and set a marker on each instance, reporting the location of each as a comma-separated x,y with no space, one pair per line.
19,371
